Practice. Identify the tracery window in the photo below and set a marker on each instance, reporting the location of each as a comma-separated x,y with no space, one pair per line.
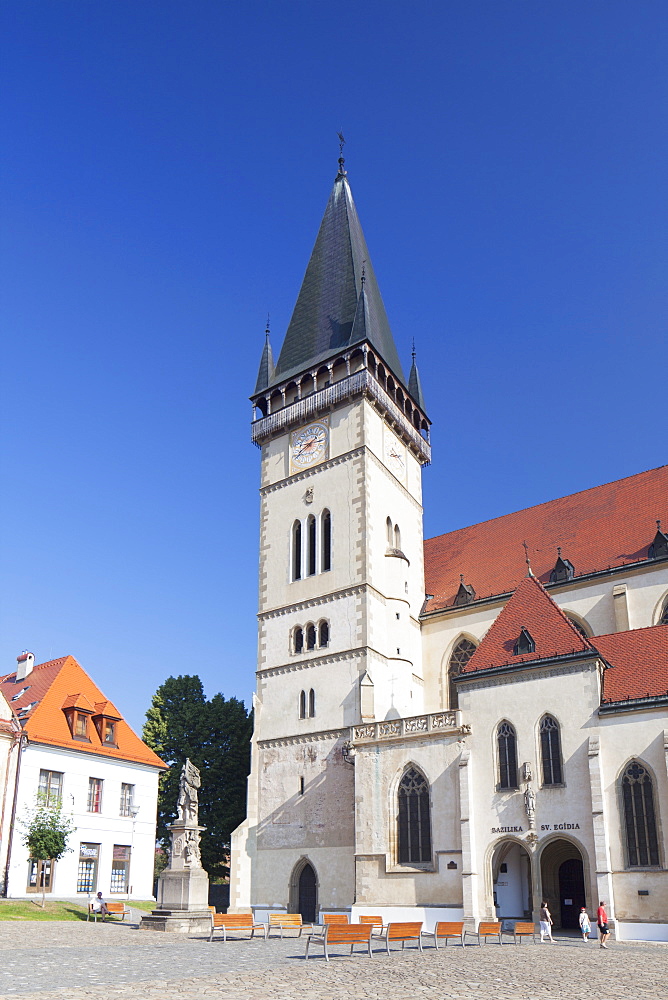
642,846
507,748
414,820
663,620
461,655
550,751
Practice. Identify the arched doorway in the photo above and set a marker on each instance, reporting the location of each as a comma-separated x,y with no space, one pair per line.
511,881
563,883
304,891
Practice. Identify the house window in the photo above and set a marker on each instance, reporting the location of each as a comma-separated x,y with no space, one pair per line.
311,703
302,704
323,634
50,787
524,644
550,751
89,855
94,795
297,550
120,868
109,730
326,531
507,748
127,796
414,822
298,639
81,726
461,655
311,536
642,846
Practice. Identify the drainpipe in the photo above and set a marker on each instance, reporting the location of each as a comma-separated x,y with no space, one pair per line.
21,743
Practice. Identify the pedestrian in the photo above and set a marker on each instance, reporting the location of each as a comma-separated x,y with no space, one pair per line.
602,921
585,924
545,922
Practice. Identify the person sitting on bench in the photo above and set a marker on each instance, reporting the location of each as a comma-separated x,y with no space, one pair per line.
98,905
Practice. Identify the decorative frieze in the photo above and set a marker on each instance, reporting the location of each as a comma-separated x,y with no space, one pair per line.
291,741
314,602
417,725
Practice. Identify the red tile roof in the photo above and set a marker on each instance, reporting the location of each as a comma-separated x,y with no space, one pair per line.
51,686
605,526
639,661
530,608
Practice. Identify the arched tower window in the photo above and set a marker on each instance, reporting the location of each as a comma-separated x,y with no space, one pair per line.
390,533
310,536
297,550
326,531
550,751
310,636
323,634
311,703
642,846
506,739
298,639
414,821
302,704
397,537
461,655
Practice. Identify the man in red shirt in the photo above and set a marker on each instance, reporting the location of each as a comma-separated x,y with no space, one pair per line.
602,921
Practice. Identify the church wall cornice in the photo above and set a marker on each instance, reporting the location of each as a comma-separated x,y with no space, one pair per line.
290,741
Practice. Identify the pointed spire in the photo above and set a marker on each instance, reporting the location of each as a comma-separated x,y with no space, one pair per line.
324,317
414,384
266,370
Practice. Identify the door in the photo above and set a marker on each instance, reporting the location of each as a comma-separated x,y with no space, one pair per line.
40,875
307,894
571,892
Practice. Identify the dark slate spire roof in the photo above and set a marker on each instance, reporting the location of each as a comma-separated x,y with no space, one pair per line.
266,371
336,308
415,386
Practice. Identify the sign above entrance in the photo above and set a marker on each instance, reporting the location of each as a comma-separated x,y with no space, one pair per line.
546,827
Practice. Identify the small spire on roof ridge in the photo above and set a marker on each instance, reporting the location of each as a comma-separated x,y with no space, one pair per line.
559,551
266,332
461,577
363,272
413,351
658,524
527,560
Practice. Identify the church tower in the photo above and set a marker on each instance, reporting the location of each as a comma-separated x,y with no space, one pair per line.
343,438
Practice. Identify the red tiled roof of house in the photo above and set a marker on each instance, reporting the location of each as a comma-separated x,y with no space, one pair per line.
47,690
639,661
606,526
530,608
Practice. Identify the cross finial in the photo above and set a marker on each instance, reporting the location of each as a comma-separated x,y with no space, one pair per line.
559,551
363,272
266,332
413,351
658,524
342,143
527,560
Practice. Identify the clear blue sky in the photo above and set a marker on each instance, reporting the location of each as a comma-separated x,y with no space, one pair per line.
165,168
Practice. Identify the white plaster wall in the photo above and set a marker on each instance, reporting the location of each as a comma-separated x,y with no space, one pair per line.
106,828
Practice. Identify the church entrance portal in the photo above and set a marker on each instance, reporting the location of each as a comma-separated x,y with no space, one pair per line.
511,881
304,893
562,878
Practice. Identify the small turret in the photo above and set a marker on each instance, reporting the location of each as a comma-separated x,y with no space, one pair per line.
266,370
414,384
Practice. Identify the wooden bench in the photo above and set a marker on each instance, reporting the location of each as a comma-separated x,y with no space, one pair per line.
340,933
114,908
287,921
488,928
524,929
334,918
446,929
403,933
377,924
227,922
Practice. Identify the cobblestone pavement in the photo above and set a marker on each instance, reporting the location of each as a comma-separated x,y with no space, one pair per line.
70,961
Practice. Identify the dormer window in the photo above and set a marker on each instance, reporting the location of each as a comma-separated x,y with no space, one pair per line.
20,693
465,594
563,569
659,547
81,726
109,729
524,644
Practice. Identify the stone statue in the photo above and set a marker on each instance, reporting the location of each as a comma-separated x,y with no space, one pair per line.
191,852
530,806
187,804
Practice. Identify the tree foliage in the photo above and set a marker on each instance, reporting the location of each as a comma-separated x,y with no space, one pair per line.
216,736
47,831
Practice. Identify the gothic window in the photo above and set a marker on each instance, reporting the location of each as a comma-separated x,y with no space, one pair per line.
298,639
579,626
663,620
302,704
310,636
310,536
507,748
297,551
524,644
414,822
311,703
390,533
461,655
323,634
326,530
550,751
642,844
397,537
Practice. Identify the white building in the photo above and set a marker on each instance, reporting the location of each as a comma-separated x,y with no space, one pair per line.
75,746
441,729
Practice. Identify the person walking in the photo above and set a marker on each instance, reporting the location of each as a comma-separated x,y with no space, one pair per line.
602,921
545,923
585,924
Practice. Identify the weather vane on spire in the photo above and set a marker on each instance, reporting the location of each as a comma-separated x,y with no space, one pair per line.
342,143
413,351
267,330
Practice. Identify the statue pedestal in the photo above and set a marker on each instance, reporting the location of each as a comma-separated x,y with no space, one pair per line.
183,887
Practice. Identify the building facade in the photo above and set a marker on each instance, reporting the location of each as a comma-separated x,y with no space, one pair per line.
72,745
451,728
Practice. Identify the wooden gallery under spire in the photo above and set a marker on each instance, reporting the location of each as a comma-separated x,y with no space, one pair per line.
439,735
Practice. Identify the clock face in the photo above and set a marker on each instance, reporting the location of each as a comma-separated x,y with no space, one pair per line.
309,445
395,457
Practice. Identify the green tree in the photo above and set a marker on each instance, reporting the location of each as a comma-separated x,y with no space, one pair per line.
215,735
46,832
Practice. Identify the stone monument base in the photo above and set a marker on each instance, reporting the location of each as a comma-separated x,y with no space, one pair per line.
177,921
